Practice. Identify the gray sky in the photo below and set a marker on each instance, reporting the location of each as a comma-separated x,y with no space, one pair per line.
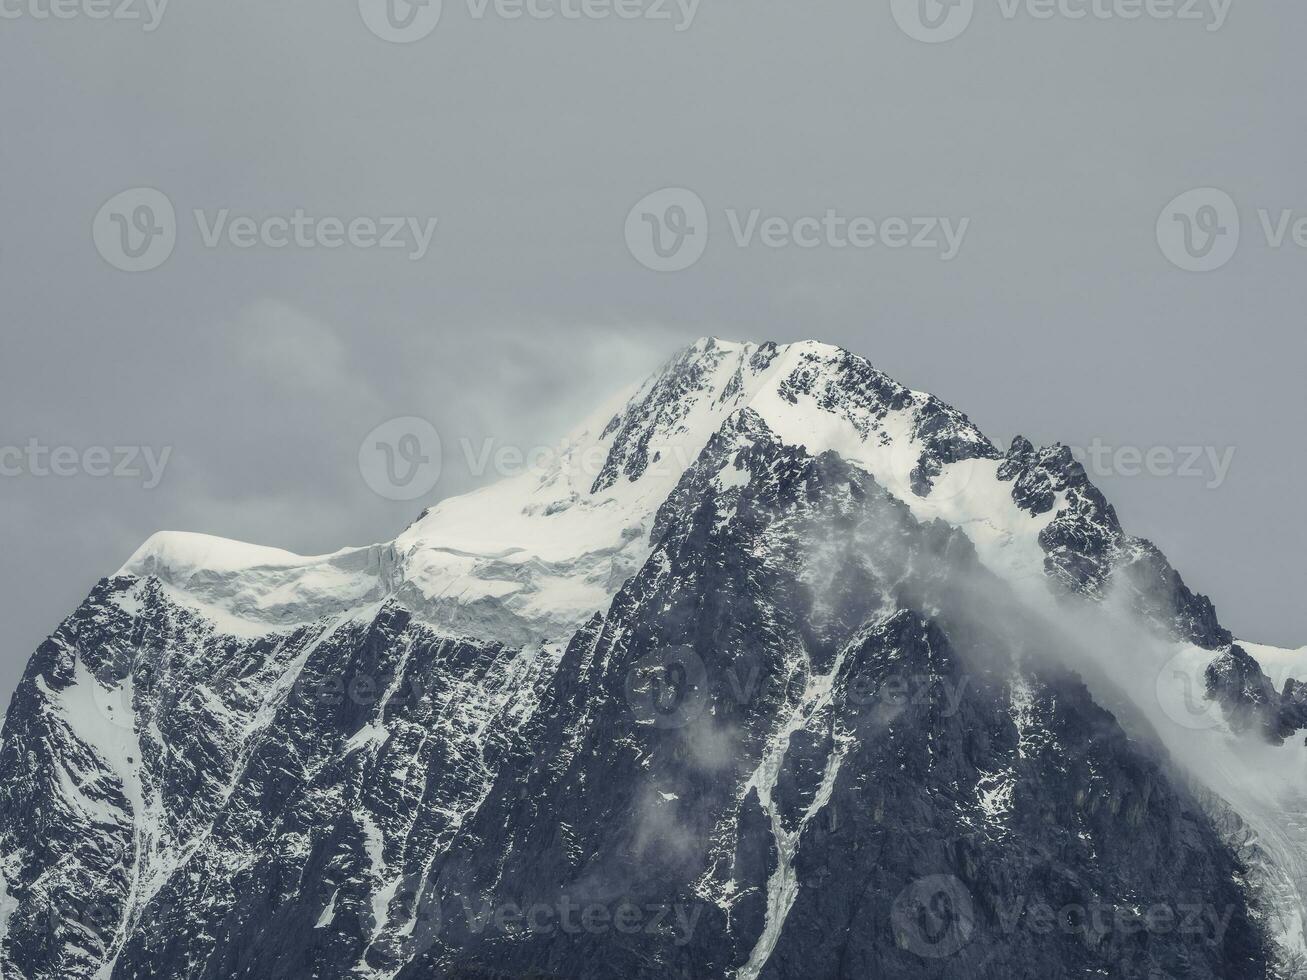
530,140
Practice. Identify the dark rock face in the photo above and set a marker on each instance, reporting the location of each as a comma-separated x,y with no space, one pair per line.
948,437
1088,552
1249,700
809,738
1072,814
823,763
1082,539
1159,592
1293,705
660,408
267,796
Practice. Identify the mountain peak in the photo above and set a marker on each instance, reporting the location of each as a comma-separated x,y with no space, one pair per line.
488,709
532,556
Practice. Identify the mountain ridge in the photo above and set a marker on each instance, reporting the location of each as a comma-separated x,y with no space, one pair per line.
846,401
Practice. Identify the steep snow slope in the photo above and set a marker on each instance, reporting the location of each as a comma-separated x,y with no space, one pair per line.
532,557
1278,664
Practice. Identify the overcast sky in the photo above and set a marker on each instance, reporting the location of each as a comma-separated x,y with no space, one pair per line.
1059,142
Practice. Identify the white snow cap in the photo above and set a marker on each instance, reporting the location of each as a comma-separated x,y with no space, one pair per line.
531,557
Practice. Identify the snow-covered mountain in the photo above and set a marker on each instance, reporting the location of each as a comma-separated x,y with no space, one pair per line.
780,669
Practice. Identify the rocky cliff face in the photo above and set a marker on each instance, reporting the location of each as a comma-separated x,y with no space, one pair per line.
794,679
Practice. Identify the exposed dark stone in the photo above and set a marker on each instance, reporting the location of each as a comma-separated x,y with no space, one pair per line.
1249,700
